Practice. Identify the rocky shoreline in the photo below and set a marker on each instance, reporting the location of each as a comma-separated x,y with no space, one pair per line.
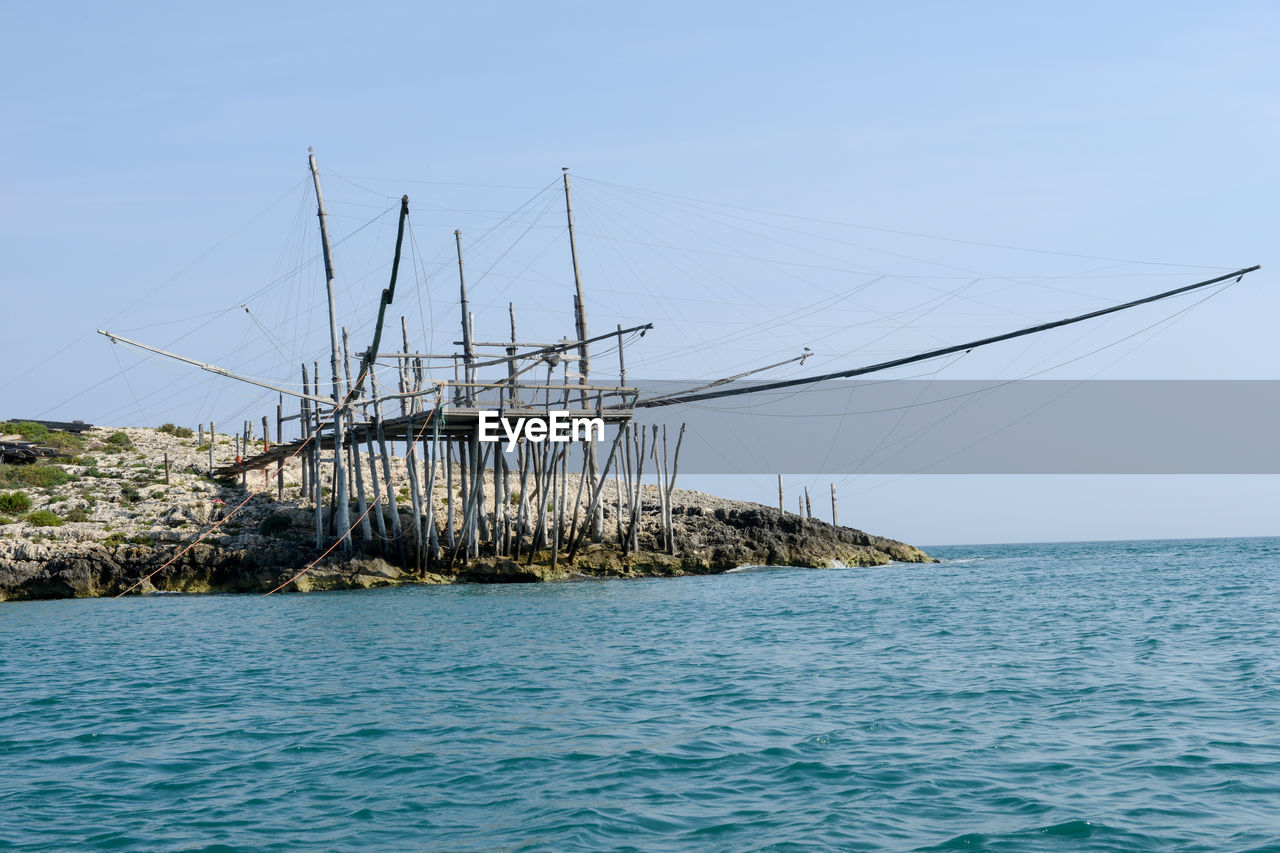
98,521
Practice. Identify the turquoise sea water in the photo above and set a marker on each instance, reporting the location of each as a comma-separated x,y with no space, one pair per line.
1099,696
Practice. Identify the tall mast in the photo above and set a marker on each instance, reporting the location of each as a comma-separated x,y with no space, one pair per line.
342,519
468,348
584,363
579,307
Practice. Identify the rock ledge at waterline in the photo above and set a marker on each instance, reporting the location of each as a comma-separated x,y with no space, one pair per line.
126,523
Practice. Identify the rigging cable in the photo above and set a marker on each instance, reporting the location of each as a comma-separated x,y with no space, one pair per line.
970,345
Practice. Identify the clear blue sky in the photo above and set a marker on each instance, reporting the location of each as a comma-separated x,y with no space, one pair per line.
153,161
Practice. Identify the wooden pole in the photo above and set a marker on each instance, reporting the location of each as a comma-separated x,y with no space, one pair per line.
402,366
166,467
512,398
604,473
378,517
280,440
637,507
411,468
523,454
671,485
808,507
780,509
342,518
386,466
448,493
213,439
468,349
317,486
579,307
362,504
304,428
835,517
665,492
433,540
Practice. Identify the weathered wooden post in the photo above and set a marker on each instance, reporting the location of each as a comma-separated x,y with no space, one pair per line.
213,439
304,432
166,467
835,518
379,518
386,466
280,441
362,505
342,517
808,507
468,346
780,507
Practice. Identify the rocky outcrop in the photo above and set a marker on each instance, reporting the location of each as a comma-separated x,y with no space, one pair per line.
125,530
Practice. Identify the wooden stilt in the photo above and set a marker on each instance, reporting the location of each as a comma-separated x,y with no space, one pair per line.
341,517
379,518
522,507
280,441
362,504
448,494
386,467
304,422
433,541
415,496
671,486
609,462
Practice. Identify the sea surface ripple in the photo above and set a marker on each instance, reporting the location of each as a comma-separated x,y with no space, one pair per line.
1088,696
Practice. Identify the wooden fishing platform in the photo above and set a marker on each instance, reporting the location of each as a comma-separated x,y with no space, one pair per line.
467,498
455,424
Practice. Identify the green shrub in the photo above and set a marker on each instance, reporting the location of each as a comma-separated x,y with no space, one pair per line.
142,539
120,440
43,518
274,524
129,494
14,502
114,540
176,431
27,429
78,515
38,474
4,521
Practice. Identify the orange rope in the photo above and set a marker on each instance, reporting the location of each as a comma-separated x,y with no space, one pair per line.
368,509
240,506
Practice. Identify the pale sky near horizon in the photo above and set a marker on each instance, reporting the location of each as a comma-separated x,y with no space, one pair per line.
866,179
